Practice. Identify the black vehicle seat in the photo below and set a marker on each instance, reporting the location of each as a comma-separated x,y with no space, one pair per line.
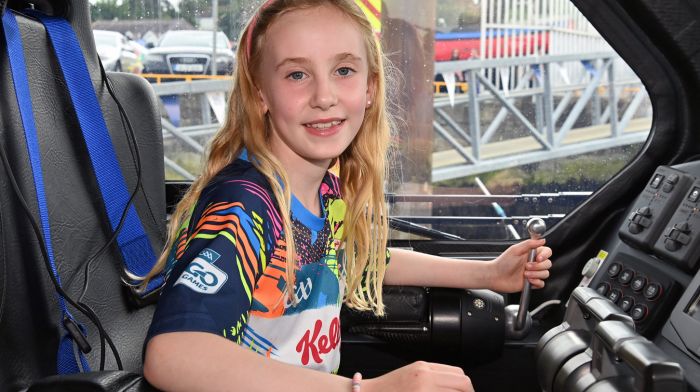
30,319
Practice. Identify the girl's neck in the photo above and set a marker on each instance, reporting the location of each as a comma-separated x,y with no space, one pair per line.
304,184
305,179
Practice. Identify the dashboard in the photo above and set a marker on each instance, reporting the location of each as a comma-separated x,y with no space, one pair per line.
634,323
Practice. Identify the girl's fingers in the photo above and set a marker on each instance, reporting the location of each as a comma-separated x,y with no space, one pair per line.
544,253
544,274
536,283
524,247
539,266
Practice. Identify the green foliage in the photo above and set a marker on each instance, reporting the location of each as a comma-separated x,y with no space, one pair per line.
192,10
132,9
107,10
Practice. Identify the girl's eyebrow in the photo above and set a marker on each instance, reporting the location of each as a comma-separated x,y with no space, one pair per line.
292,60
347,56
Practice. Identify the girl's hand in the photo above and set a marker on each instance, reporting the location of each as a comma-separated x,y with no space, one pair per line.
510,268
420,376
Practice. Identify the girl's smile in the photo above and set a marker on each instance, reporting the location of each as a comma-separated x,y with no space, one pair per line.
325,127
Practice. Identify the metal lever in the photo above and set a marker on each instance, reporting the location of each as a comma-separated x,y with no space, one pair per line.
536,228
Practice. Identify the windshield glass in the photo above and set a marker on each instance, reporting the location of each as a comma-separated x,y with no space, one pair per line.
505,109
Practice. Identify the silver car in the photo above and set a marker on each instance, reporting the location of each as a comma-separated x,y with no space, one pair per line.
190,52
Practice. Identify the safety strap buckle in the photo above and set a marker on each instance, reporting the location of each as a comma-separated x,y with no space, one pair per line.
139,295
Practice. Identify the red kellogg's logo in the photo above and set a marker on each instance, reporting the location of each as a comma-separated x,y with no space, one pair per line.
313,344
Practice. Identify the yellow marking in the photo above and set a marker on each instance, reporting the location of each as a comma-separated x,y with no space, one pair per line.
212,236
187,78
245,284
460,87
602,255
258,233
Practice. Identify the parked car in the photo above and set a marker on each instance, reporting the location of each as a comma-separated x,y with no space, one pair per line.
190,52
117,52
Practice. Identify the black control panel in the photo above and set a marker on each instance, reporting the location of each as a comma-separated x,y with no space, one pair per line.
680,239
637,289
654,207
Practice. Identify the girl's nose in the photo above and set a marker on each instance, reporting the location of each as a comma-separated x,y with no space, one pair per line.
325,95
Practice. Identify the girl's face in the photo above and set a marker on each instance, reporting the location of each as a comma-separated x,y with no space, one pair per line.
314,84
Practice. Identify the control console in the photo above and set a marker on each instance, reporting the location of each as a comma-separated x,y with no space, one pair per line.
680,239
654,207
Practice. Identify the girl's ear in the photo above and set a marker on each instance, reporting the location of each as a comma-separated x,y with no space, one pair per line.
371,90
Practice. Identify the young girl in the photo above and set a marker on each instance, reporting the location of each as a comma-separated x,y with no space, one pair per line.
247,306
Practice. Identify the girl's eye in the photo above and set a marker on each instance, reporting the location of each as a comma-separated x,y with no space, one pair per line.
345,71
296,75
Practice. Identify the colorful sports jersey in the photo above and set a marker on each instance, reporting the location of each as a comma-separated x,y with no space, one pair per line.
226,271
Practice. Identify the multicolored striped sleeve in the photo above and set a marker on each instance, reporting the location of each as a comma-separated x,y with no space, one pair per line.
227,245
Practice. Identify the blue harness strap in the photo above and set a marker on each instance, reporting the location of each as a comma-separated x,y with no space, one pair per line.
66,359
136,250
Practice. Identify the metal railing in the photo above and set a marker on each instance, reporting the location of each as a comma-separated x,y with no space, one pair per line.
554,132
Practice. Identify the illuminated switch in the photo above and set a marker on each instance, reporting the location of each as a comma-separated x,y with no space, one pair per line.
626,276
694,195
638,283
652,291
614,269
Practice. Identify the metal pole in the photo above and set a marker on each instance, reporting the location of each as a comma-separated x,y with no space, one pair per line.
539,112
205,108
215,24
548,102
595,105
474,121
612,91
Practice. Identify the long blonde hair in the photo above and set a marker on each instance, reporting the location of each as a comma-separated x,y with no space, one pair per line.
363,164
